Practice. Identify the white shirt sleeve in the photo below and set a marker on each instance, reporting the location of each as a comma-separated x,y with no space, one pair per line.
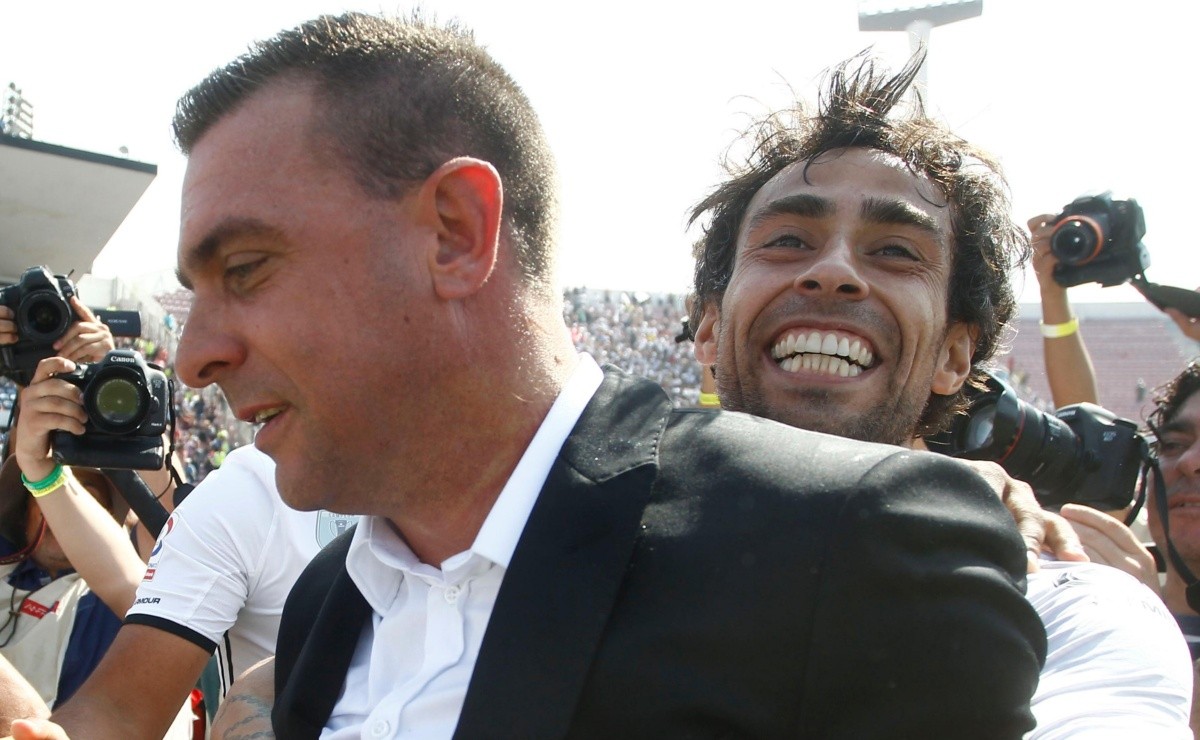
210,554
1117,665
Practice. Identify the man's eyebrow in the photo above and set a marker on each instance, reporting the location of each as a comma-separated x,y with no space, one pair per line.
893,211
1174,426
804,205
197,257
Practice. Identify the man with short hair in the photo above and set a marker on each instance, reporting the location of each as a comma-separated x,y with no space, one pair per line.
549,549
852,279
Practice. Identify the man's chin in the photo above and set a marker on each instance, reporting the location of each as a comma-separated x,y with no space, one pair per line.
864,426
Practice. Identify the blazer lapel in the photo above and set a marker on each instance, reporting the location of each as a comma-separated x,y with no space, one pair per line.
568,567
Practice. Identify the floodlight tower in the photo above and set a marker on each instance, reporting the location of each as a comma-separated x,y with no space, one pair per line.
916,18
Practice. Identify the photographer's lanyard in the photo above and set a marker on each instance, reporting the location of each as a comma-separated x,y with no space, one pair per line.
1192,584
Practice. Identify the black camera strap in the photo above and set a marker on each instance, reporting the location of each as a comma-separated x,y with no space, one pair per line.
1192,584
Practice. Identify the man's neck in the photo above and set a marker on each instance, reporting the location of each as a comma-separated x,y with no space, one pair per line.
496,417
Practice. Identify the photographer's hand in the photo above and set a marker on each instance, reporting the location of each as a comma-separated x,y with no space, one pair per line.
86,340
1055,308
8,326
1068,366
48,404
1188,325
1106,540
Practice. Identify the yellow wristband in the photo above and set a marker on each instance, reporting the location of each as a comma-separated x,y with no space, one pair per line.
709,399
51,483
1056,331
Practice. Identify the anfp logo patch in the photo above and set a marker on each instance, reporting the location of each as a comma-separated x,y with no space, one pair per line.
330,525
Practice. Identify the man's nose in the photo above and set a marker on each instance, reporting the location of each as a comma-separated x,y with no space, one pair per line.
833,272
207,350
1188,463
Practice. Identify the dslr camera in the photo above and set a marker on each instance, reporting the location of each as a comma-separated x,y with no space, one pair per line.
1081,454
40,302
128,404
41,305
1098,239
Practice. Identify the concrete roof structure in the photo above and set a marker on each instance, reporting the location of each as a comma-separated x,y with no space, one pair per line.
60,206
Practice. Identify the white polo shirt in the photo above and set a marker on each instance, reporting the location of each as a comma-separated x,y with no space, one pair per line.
410,671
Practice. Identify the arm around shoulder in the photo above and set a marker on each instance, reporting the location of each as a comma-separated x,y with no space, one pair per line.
922,612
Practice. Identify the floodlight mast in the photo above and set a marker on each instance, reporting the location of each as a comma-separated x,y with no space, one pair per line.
918,19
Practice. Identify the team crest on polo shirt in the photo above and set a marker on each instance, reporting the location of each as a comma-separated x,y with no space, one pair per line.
330,525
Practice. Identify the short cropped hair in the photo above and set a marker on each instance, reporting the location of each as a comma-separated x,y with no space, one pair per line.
856,110
399,98
1172,395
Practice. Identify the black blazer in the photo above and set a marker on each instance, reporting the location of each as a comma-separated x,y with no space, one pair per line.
695,573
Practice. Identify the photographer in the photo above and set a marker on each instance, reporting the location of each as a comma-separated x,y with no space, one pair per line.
1072,379
1068,365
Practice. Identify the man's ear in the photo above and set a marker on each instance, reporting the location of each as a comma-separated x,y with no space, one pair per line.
954,361
465,200
706,334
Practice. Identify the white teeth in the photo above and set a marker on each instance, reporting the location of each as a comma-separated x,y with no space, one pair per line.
816,349
265,415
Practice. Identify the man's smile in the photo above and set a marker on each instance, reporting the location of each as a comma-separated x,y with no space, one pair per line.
831,352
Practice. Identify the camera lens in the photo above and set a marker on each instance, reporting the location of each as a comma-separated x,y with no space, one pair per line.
43,317
980,426
117,404
1077,240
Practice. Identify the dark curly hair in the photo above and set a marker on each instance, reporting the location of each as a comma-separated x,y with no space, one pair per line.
398,98
1170,396
856,111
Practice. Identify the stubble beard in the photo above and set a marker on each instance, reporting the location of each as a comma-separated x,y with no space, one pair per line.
819,410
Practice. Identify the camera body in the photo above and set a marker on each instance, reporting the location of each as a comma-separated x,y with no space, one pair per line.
128,404
1081,454
1098,239
40,301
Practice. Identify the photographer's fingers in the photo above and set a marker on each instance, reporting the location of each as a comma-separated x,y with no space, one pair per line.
1189,325
83,312
8,326
86,340
48,404
1040,228
1109,542
1062,541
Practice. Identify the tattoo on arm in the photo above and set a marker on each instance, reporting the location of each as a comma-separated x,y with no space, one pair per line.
254,721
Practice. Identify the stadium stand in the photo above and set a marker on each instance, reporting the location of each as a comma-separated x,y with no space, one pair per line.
1134,349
